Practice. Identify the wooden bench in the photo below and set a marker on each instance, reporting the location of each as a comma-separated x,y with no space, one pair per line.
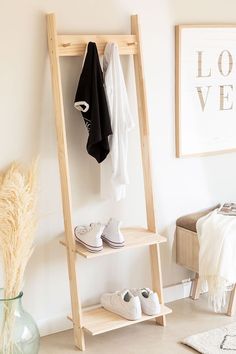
187,252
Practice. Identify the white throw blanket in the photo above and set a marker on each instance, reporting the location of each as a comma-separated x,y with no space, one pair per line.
217,255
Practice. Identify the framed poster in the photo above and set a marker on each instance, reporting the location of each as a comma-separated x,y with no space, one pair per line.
205,89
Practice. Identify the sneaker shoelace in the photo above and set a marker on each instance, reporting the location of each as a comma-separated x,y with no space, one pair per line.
83,229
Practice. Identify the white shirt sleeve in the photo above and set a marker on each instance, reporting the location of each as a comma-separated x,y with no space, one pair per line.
115,181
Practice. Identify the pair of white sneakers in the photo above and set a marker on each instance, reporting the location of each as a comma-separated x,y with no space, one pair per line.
131,303
93,235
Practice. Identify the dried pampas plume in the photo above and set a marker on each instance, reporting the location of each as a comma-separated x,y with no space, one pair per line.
17,224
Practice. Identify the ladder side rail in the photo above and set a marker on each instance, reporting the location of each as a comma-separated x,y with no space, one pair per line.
143,126
65,179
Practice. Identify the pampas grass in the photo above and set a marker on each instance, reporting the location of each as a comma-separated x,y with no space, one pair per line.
17,228
17,224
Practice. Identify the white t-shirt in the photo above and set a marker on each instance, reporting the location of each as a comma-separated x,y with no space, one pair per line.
114,175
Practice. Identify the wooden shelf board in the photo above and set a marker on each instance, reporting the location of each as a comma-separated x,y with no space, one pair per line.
134,237
99,320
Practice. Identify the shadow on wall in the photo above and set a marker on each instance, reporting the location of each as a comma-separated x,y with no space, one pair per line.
168,256
48,260
39,112
85,172
220,176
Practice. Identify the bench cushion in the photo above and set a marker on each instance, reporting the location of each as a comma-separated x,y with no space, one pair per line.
189,221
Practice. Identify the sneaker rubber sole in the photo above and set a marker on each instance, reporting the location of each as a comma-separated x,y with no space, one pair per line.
111,243
90,248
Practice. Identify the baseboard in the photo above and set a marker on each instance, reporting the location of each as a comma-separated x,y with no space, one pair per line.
61,323
177,291
54,324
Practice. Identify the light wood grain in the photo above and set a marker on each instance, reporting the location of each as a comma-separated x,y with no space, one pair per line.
133,238
202,154
102,321
147,162
157,284
232,302
196,287
177,92
75,45
215,25
144,127
187,249
99,320
65,178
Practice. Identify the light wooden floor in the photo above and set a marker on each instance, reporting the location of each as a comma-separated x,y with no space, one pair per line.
188,317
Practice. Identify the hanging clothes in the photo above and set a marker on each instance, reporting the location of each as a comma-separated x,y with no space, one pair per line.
114,174
90,99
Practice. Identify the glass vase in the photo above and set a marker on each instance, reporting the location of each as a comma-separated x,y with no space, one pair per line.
18,331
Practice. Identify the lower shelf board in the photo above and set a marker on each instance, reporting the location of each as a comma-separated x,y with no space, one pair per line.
99,320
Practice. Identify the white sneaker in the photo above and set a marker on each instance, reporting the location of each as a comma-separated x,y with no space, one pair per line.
149,301
112,234
122,303
90,236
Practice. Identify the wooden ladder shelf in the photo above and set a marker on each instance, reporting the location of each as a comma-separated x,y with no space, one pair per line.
99,320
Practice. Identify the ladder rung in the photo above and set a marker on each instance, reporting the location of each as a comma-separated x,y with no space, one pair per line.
75,45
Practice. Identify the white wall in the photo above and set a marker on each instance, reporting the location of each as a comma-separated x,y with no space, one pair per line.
27,129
